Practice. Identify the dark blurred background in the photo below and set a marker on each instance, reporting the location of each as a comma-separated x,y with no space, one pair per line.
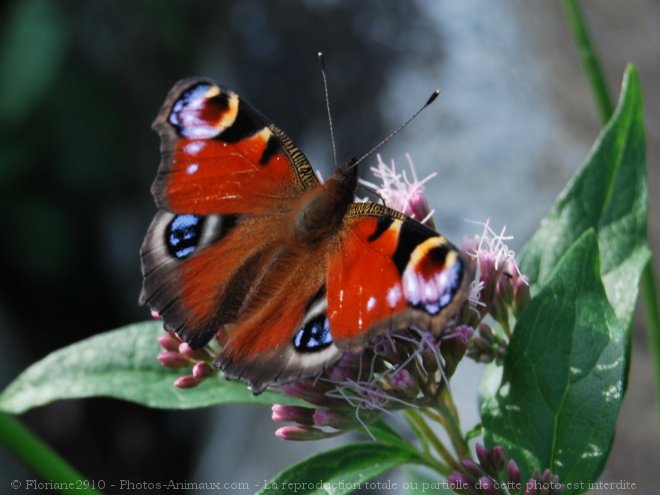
80,83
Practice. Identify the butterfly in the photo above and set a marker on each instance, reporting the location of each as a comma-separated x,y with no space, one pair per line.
287,272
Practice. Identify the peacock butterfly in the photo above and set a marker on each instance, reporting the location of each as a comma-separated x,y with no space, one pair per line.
289,272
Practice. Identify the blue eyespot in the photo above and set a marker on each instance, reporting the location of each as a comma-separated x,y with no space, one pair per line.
183,234
314,335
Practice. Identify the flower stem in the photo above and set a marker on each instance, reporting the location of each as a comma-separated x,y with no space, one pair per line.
605,106
446,416
650,297
41,458
589,59
424,429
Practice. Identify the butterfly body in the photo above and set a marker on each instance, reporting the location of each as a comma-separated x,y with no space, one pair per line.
321,210
286,271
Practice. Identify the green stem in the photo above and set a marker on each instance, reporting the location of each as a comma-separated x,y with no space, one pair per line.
650,297
42,459
449,415
605,106
589,59
449,422
429,435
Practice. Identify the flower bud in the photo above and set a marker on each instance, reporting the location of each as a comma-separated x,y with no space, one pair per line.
512,472
487,346
169,341
300,433
402,380
374,396
333,418
194,354
485,459
187,381
202,370
307,391
499,311
487,486
453,348
489,274
504,289
171,359
498,455
521,295
339,373
416,206
530,487
297,414
472,468
458,482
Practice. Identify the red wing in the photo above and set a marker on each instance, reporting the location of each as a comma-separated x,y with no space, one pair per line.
221,156
389,272
286,335
198,270
216,255
226,177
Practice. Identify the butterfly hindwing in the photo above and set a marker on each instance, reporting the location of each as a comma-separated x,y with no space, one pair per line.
287,336
198,270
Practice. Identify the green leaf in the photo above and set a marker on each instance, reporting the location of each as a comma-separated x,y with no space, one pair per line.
608,194
32,52
341,470
382,432
564,373
120,364
421,480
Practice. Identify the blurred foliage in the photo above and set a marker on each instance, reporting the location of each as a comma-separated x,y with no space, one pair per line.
36,27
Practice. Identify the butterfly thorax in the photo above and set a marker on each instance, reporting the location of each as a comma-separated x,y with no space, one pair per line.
322,208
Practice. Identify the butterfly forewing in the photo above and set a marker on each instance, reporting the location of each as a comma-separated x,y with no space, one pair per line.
226,177
221,156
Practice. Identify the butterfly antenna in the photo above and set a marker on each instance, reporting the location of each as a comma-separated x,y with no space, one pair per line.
327,106
431,99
